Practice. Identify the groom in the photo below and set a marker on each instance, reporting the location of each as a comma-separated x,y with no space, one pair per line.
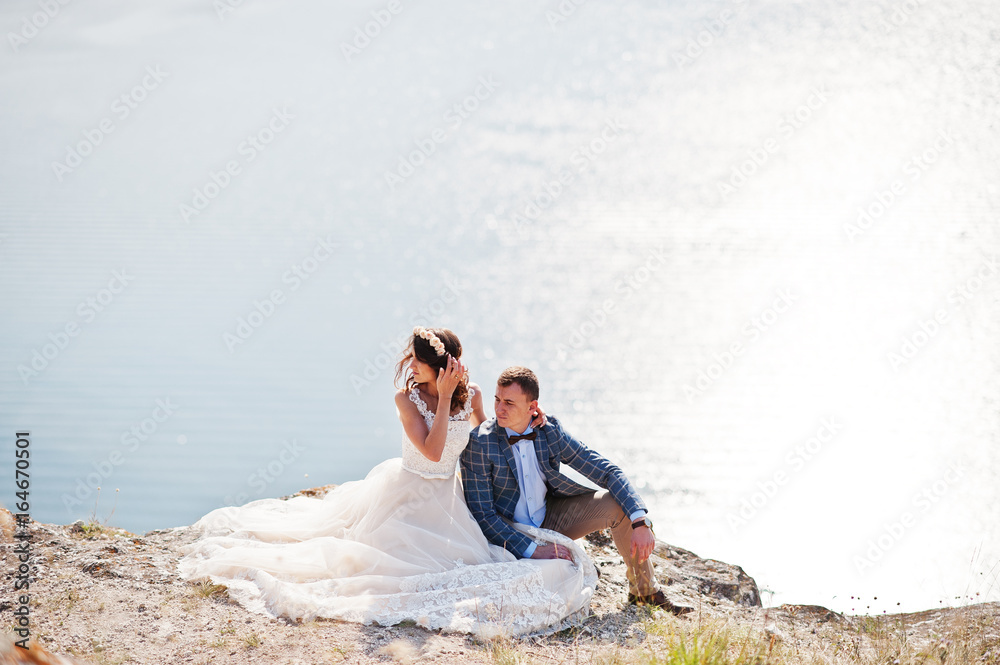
511,474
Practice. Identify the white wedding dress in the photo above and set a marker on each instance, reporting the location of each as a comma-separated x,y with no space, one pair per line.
400,545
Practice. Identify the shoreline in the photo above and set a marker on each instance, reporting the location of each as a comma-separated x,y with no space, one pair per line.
104,595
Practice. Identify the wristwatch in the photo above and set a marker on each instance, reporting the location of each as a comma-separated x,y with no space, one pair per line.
645,521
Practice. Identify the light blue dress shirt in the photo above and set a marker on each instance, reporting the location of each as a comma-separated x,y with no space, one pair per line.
530,508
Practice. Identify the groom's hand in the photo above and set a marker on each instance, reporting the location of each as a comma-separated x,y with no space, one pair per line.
643,543
552,552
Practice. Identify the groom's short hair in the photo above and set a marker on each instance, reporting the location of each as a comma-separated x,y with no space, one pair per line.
523,377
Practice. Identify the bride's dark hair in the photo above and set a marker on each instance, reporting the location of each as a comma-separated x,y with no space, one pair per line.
422,350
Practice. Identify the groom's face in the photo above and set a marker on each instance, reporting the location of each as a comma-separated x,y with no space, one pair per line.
513,408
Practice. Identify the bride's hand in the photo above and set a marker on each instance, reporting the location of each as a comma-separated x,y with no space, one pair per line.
539,419
449,377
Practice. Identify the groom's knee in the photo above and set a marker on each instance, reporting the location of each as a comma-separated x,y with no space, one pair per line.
610,508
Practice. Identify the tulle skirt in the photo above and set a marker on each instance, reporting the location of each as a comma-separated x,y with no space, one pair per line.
390,548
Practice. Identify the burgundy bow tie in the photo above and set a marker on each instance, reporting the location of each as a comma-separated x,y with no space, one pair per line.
530,436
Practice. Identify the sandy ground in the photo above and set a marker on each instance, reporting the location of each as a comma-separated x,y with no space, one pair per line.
103,595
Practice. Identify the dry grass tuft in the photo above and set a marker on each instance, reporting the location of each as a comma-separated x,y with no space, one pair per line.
205,588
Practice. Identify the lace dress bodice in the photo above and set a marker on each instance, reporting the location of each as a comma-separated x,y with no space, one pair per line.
456,441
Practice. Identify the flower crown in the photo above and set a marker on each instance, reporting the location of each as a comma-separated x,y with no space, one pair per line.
435,343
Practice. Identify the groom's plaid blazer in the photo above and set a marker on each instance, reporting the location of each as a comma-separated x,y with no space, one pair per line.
489,474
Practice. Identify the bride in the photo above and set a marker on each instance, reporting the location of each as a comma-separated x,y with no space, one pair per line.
400,545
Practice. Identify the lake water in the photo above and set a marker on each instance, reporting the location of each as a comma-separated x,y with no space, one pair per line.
749,247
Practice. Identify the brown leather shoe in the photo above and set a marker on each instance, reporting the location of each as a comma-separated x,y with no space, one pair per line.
659,599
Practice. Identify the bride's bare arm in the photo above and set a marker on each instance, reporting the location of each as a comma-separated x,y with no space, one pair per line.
478,414
413,422
431,442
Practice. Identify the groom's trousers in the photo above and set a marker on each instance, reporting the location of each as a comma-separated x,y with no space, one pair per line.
576,516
